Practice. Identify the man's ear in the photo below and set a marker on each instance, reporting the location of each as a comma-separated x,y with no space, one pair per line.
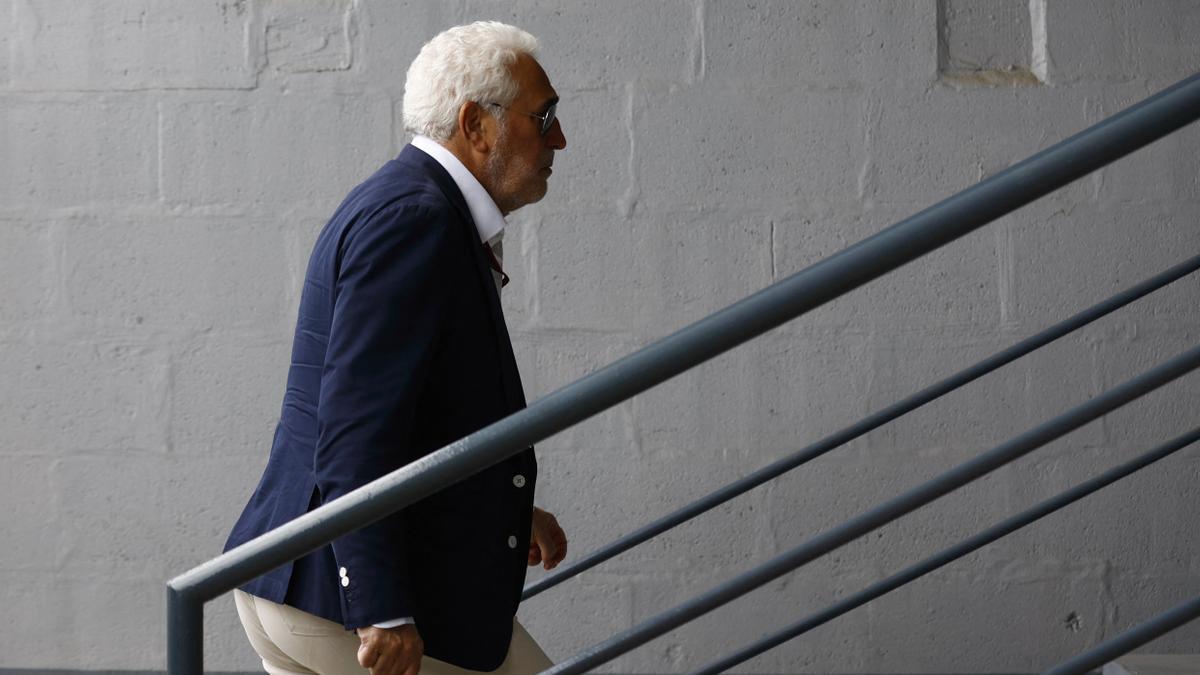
475,126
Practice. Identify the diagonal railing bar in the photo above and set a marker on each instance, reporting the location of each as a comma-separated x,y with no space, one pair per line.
949,555
936,226
882,514
1130,640
863,426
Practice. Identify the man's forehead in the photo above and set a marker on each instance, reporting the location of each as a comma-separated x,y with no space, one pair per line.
532,82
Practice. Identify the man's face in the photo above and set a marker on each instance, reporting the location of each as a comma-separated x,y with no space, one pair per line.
518,166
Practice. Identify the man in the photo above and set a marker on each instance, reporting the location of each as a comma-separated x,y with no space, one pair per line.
401,349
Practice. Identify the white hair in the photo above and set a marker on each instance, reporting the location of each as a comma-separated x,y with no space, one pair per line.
464,63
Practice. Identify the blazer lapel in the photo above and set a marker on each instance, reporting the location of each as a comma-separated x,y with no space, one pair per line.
510,376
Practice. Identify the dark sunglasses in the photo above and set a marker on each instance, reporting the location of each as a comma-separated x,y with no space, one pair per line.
546,118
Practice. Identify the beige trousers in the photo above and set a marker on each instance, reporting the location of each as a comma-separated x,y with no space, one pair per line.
294,642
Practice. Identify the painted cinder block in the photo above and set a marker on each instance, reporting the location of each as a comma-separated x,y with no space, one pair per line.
175,275
650,274
112,513
650,42
1162,173
1059,612
658,42
1066,259
64,395
6,7
26,272
1138,595
600,495
736,624
391,34
980,414
1128,41
729,538
242,153
821,45
809,384
550,360
1054,470
226,394
1057,378
837,644
747,147
71,151
133,45
828,492
952,287
760,401
691,267
925,145
577,255
570,618
311,37
1116,527
976,37
989,410
674,651
1163,413
594,171
205,494
106,621
32,517
587,515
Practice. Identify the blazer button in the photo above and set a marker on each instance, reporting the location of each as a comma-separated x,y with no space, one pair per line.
519,480
345,581
512,542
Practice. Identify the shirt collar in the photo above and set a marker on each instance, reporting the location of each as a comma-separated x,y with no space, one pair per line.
488,219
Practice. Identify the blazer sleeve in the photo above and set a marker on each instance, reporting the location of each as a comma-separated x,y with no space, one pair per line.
389,308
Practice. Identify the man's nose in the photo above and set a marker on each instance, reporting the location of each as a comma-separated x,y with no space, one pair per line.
555,138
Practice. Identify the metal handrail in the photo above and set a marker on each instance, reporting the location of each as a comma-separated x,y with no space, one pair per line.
952,553
893,509
1130,640
863,426
830,278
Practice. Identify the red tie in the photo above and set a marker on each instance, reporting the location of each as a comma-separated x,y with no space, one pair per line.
495,264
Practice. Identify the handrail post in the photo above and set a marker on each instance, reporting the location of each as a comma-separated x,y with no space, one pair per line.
185,631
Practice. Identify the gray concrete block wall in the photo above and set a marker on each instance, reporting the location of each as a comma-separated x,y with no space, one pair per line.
166,165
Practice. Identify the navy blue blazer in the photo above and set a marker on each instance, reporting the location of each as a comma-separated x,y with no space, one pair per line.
400,349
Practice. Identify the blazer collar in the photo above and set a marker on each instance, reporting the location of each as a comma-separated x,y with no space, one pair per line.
488,219
425,165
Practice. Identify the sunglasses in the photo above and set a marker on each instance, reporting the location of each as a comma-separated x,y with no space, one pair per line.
546,118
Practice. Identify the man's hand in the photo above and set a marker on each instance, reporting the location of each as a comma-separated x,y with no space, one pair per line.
390,651
548,545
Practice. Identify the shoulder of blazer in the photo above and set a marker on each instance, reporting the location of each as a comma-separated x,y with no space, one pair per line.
411,180
415,166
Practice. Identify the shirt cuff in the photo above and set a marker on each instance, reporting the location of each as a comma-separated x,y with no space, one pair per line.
403,621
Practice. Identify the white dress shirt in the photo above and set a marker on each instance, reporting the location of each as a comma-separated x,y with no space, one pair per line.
488,221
